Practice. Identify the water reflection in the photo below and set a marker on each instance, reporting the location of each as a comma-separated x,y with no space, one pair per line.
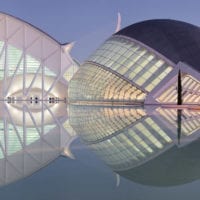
149,145
152,145
31,138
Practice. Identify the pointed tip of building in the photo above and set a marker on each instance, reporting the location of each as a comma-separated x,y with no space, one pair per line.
119,19
67,153
68,47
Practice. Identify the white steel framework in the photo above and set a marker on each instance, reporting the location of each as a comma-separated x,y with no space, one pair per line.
33,60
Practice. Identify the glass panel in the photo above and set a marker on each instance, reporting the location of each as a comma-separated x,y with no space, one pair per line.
92,83
2,59
14,58
189,120
148,135
190,91
94,123
132,61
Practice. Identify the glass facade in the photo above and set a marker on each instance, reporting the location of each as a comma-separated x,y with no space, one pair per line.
93,83
120,70
39,65
133,61
15,139
96,123
190,91
16,61
190,120
34,74
69,73
44,97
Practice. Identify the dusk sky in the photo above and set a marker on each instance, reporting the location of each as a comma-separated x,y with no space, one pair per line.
90,22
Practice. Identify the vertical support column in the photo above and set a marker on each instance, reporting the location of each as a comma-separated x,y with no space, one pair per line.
24,127
24,137
43,69
179,89
6,134
2,68
5,72
42,98
24,62
5,147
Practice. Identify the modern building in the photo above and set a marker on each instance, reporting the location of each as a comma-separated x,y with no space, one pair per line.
33,65
140,64
137,65
35,71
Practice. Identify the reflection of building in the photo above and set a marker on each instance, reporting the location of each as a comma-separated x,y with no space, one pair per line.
123,137
32,140
130,140
140,64
33,66
190,122
176,166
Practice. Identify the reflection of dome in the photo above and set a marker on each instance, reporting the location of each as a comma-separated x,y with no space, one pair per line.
143,147
139,64
174,167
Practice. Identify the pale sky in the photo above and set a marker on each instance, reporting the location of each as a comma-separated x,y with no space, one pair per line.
90,22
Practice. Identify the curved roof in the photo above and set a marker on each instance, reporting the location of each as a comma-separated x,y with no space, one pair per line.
33,26
176,40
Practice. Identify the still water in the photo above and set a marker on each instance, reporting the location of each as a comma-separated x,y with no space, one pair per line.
90,152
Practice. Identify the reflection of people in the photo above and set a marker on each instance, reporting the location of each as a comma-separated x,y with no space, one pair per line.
8,99
65,100
36,99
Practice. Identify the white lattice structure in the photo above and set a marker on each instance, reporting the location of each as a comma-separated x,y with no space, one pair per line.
32,64
34,73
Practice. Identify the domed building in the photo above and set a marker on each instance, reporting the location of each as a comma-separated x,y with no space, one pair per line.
140,64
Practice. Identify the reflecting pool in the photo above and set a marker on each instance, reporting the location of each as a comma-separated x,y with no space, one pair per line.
60,151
